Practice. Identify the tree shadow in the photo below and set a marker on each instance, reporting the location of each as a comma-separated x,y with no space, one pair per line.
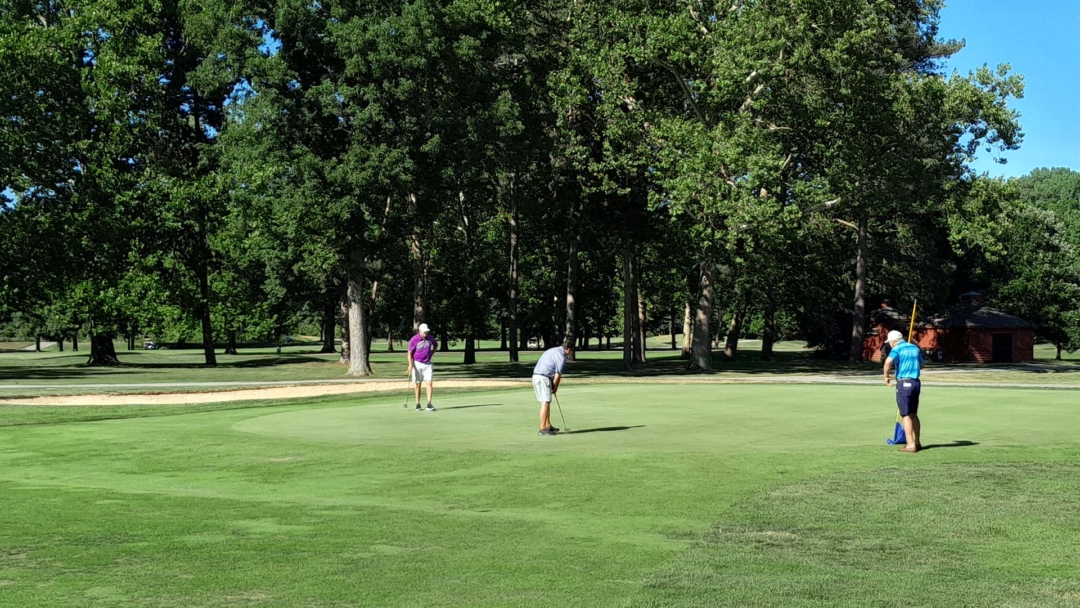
592,364
603,429
263,361
954,444
57,373
465,407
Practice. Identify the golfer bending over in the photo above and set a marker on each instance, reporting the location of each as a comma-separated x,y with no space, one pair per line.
546,377
908,360
421,349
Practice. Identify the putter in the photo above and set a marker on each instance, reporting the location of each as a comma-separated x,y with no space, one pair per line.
408,385
559,405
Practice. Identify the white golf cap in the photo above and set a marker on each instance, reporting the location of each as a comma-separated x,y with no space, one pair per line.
424,329
895,336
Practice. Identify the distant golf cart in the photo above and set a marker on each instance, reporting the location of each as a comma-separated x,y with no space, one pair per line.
534,343
150,345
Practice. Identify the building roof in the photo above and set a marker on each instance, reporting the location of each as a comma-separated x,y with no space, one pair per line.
886,315
977,316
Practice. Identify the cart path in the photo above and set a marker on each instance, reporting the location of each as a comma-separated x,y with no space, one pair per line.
158,393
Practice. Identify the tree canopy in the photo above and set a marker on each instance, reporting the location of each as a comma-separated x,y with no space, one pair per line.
230,171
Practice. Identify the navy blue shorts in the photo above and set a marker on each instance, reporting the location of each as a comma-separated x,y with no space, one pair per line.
907,396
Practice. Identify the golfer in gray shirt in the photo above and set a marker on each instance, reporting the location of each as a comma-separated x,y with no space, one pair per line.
546,377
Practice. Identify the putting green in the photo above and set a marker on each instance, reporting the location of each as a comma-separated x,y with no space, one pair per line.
667,495
707,418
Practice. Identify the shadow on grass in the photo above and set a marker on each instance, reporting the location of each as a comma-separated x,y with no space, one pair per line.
57,373
75,367
603,429
955,444
465,407
664,363
224,362
591,364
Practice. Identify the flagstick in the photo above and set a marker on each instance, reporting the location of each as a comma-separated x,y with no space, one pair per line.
911,328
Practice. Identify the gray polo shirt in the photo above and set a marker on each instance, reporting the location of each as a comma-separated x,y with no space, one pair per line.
551,362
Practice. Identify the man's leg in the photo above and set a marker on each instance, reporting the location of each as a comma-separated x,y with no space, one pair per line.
909,432
903,402
416,385
430,387
913,408
545,414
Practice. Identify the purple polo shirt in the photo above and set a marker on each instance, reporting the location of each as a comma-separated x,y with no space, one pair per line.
422,348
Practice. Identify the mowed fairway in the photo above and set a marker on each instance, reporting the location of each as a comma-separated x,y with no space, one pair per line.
666,495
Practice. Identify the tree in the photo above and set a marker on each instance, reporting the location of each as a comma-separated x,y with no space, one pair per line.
1020,253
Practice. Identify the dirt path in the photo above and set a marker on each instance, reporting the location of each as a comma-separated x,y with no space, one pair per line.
250,394
308,390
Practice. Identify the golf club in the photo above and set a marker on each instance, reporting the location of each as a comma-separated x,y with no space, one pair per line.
408,385
565,428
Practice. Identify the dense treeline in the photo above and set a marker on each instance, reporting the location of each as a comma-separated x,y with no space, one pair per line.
228,171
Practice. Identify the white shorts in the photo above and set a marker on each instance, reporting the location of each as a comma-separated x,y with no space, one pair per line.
542,388
421,372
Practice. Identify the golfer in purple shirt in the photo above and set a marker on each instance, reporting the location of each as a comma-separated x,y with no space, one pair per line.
421,349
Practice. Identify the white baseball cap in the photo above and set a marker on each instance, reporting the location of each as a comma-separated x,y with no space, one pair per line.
424,329
895,336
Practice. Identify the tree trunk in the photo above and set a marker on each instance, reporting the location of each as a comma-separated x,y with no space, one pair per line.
230,349
419,282
641,327
102,350
75,341
571,291
389,339
512,305
687,331
731,348
721,333
701,348
502,335
768,333
346,349
671,329
1057,345
608,338
552,334
470,350
204,314
444,340
359,356
523,341
858,317
329,324
629,308
37,344
60,345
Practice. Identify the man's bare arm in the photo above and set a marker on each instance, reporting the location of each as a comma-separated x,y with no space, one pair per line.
887,369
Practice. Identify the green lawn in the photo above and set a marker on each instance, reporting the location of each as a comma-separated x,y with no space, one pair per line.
673,495
61,373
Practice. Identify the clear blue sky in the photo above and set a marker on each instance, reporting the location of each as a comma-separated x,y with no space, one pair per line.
1039,39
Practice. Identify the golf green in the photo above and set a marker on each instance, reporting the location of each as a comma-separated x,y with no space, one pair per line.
662,495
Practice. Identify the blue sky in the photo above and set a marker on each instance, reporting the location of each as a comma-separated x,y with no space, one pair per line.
1039,39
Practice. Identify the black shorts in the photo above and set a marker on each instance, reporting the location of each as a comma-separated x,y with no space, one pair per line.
907,396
